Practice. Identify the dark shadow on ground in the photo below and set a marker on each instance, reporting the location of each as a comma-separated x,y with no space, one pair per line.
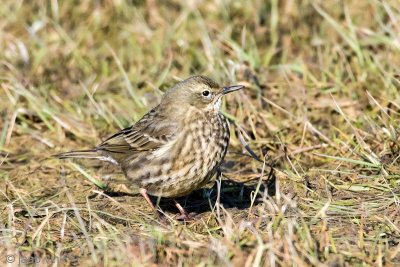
233,195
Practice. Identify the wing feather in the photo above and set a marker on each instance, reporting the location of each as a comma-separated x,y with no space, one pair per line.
149,133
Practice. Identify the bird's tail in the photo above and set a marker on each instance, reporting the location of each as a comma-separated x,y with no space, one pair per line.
84,154
87,154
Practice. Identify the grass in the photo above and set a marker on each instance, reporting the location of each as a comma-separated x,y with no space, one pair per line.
322,107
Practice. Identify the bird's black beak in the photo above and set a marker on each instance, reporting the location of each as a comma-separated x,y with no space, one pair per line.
229,89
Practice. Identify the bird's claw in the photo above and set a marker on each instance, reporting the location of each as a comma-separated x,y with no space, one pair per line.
186,217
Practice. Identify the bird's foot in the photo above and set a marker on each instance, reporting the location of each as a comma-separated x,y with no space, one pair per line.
162,219
186,217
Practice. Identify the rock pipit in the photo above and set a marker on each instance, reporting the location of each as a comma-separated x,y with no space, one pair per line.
177,147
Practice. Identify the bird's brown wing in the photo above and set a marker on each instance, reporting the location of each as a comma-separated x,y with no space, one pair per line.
149,133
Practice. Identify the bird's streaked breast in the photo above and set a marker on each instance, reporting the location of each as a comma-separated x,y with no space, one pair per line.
188,161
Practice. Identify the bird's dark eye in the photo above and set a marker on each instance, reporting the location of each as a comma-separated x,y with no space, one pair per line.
206,93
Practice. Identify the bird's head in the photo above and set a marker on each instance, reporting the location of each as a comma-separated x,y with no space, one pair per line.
198,91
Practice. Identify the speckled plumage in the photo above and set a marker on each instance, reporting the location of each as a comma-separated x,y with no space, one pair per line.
175,148
186,161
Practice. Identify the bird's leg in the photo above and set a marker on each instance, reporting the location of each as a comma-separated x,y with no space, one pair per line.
143,192
184,214
161,218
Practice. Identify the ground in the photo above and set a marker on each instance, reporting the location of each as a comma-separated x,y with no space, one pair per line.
320,114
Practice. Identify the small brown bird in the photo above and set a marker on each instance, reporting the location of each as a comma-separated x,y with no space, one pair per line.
177,147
